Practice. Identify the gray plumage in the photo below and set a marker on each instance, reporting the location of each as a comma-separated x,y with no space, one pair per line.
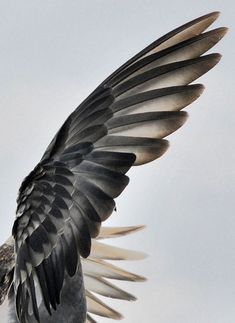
7,262
73,303
64,200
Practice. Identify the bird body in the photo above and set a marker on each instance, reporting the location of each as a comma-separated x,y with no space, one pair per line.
58,264
72,306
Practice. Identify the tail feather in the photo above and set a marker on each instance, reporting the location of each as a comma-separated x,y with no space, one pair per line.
96,306
115,232
102,268
104,251
89,319
97,270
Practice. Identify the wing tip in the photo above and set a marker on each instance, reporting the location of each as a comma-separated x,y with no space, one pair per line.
198,88
221,31
214,60
212,16
215,56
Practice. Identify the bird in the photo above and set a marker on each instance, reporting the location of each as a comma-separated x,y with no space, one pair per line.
55,264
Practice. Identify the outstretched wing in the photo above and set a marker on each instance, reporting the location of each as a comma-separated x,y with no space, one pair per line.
63,201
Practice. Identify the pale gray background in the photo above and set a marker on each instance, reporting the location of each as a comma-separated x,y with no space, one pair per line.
52,55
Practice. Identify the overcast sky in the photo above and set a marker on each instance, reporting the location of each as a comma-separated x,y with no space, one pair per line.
52,55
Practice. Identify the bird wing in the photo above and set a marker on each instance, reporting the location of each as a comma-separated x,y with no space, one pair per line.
64,200
98,272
